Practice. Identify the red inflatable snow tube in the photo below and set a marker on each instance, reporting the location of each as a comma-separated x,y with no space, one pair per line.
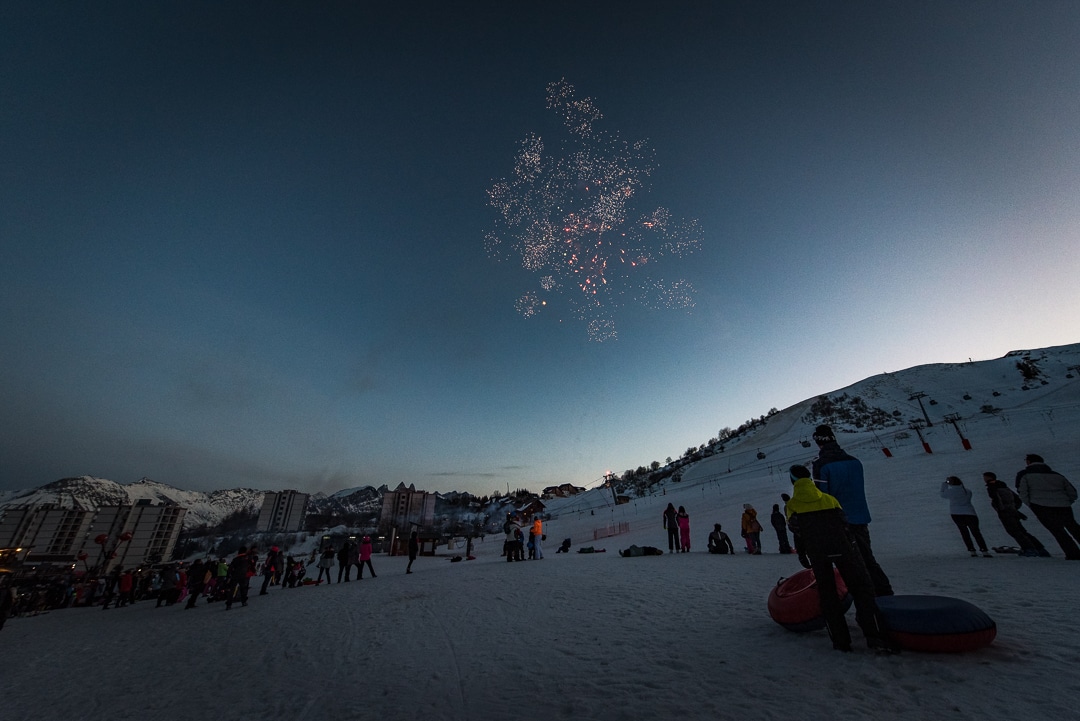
794,601
936,624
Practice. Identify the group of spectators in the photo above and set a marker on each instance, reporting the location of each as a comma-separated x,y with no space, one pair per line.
677,524
345,558
211,580
515,546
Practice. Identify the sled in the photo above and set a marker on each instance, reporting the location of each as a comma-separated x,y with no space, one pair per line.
1006,549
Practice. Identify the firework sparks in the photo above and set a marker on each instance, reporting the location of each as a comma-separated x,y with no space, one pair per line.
565,215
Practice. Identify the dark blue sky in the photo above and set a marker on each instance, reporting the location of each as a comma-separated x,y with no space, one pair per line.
243,244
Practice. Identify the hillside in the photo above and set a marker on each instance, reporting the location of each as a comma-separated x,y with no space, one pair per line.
870,415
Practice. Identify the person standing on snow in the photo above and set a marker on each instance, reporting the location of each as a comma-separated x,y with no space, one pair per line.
779,524
823,539
1007,504
344,559
538,537
112,587
1050,497
841,476
271,569
672,525
326,562
239,579
963,514
365,557
196,581
751,530
682,518
414,550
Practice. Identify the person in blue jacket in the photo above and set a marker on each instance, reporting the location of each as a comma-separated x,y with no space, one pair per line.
841,476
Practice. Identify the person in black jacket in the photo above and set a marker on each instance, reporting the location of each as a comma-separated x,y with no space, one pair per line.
824,540
344,559
671,523
719,542
271,569
414,550
238,579
1005,502
779,524
196,581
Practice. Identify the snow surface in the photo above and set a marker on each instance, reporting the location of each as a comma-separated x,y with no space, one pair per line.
597,636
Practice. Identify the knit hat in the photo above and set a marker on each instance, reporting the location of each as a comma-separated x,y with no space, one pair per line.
823,434
797,471
746,506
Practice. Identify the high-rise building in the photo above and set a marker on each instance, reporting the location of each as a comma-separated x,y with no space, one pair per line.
132,535
404,509
283,512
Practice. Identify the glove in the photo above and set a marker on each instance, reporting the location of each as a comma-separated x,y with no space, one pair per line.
1021,516
804,560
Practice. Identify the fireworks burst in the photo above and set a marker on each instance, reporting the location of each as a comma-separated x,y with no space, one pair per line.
566,217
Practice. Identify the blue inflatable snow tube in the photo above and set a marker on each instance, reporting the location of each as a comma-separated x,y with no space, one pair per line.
936,624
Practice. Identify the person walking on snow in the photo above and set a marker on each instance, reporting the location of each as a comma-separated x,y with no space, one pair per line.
841,476
682,518
671,524
963,514
1050,497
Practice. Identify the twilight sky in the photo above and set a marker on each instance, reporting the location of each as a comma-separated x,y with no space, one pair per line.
243,244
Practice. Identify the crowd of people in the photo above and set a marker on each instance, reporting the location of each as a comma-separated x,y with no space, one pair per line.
210,580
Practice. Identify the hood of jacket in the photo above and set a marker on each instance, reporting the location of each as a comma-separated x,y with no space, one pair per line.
807,498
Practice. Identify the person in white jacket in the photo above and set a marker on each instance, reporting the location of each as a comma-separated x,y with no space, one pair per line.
963,514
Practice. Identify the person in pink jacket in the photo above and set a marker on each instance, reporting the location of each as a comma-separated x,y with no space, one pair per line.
365,557
682,518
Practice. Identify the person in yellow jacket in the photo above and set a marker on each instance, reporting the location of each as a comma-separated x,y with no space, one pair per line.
823,540
538,536
751,529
